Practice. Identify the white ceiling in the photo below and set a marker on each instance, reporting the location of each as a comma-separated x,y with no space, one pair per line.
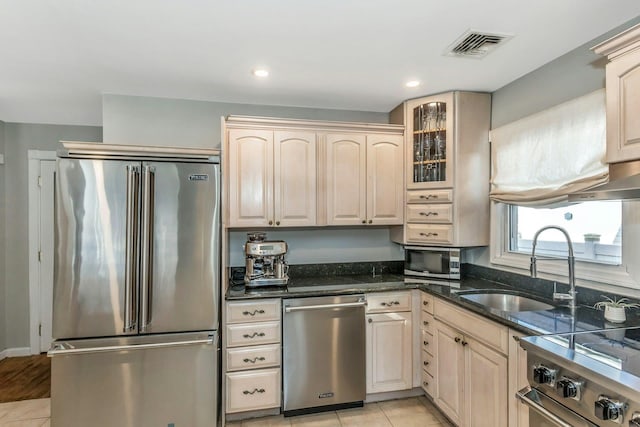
57,57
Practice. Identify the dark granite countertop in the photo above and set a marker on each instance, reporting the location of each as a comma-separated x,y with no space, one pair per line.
555,321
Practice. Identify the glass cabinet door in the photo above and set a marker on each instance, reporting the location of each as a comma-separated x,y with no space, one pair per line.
430,161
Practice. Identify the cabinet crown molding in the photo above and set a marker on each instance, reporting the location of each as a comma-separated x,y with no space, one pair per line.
255,122
619,44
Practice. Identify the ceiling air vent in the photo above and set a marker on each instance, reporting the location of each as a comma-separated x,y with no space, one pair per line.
476,44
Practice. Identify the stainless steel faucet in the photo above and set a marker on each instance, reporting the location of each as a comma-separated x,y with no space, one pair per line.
571,296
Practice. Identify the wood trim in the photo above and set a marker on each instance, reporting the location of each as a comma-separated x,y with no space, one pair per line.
256,122
620,44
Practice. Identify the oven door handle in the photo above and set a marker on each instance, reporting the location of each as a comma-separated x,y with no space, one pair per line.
531,398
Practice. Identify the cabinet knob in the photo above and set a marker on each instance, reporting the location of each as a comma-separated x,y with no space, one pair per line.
457,339
364,221
277,222
425,302
425,342
370,221
270,222
464,343
424,383
370,320
425,363
425,323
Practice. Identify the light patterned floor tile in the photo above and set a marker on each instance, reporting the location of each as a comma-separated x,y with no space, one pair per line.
325,419
370,415
275,421
408,413
25,410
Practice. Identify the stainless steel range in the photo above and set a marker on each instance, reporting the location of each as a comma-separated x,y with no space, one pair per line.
583,379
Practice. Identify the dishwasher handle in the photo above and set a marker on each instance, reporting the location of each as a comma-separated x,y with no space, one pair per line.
323,306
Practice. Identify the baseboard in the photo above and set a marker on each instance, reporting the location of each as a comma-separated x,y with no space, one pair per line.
15,352
390,395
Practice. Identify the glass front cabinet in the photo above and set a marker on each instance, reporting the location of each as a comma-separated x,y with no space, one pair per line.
430,158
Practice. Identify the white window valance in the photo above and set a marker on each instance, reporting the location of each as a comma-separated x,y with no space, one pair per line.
540,159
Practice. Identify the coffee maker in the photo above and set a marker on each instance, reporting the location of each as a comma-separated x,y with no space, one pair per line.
264,261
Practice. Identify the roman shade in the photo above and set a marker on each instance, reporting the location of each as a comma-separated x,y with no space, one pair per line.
540,159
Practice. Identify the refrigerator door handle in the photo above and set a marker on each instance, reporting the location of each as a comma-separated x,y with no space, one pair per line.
146,285
62,350
133,178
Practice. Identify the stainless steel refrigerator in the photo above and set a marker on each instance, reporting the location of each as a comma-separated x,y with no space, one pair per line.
136,287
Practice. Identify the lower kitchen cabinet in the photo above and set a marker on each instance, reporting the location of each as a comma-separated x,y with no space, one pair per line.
389,344
253,390
471,367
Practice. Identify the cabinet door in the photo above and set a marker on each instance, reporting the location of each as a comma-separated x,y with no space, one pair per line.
485,393
389,352
449,372
295,178
623,109
385,187
429,130
346,189
250,178
518,411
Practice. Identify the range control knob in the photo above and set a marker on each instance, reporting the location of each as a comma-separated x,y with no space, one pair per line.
607,409
544,375
568,388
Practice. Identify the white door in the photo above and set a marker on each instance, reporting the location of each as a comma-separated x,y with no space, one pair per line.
45,276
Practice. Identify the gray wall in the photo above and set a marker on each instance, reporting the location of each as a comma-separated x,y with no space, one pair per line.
574,74
140,120
18,138
3,298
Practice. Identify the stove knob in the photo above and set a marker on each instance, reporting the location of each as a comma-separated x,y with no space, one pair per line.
607,409
544,375
567,388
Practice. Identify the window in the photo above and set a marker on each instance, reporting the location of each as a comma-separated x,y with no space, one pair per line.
595,229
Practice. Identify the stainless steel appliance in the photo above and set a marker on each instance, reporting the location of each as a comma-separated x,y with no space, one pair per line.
597,383
433,262
323,353
264,261
136,287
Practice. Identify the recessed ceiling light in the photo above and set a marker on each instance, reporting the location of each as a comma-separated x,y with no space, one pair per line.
413,83
261,72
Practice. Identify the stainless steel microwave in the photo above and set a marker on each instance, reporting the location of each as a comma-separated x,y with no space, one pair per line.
441,263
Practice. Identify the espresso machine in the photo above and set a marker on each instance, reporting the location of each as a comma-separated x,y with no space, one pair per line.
264,261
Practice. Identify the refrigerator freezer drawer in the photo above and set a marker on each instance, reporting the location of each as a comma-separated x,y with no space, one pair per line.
138,382
252,390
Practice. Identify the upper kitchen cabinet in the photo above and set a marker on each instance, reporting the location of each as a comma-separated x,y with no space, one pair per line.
623,93
272,178
447,158
364,178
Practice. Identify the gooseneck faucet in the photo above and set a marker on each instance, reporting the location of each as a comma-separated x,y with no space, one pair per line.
571,296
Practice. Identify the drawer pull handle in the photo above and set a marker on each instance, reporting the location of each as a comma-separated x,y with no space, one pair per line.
457,339
464,343
425,363
255,390
253,335
428,234
425,342
389,304
425,302
425,323
259,358
429,196
429,213
253,313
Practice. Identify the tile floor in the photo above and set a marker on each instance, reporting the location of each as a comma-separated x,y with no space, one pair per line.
415,411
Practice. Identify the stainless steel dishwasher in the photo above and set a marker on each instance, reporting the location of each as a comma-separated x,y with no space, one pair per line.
323,353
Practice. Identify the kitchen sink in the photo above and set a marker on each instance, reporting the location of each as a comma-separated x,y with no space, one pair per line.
508,302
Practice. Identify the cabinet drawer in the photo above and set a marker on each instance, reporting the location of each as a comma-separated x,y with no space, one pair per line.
483,330
430,213
428,383
429,233
427,302
248,391
389,302
427,322
253,311
253,334
429,196
261,356
427,362
427,342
